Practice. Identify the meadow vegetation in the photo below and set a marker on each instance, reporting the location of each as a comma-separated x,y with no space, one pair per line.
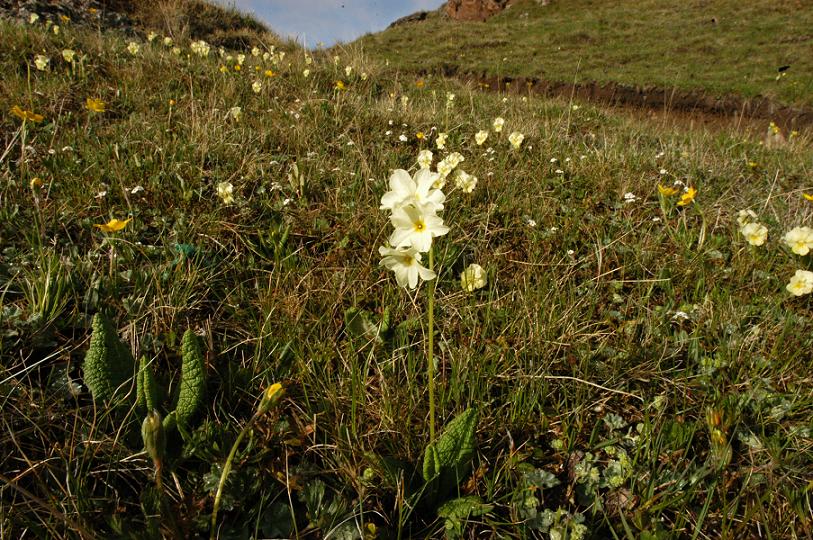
719,48
631,360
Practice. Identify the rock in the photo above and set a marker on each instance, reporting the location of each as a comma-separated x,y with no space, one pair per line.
415,17
475,10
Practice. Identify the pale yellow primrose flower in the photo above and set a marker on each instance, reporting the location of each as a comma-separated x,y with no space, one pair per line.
499,122
455,159
425,159
133,48
225,191
41,62
201,48
473,278
516,139
440,142
801,283
480,137
236,113
755,233
465,181
406,190
745,216
406,264
257,86
415,226
68,55
800,240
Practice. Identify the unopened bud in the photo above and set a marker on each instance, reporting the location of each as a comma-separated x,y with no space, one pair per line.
271,397
152,431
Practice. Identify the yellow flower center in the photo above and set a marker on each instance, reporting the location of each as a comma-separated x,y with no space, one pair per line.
420,226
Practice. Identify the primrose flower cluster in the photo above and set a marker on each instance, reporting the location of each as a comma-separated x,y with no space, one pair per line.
413,202
798,239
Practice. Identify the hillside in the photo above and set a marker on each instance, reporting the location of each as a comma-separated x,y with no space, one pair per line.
718,47
278,293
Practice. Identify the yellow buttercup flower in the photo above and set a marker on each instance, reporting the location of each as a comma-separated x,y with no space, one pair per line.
269,73
420,135
667,191
340,85
36,182
114,225
24,114
808,197
687,197
95,105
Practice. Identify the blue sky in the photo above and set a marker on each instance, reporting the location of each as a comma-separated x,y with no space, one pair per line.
330,21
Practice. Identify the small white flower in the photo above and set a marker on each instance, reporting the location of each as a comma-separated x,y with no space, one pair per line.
415,226
630,197
402,138
406,264
415,190
137,189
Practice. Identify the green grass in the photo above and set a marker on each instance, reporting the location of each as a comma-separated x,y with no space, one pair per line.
635,364
654,43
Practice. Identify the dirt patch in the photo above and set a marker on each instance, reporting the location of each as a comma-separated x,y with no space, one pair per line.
660,100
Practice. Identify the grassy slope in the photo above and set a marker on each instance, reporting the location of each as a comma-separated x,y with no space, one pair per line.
635,42
588,295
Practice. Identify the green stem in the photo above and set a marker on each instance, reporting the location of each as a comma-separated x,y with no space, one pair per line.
225,474
430,368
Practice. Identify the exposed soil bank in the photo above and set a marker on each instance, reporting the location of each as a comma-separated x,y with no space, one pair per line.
658,100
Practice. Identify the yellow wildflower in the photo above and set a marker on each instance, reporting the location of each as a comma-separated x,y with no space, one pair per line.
687,197
269,73
420,135
340,85
24,114
114,225
808,197
95,105
36,182
667,191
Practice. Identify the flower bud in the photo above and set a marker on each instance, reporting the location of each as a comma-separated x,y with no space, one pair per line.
271,397
152,431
